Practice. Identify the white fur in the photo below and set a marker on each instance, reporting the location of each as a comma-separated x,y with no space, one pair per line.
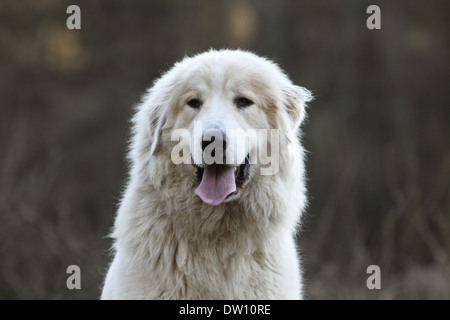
168,243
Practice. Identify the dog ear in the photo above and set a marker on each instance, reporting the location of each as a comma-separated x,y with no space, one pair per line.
295,100
148,123
155,115
151,117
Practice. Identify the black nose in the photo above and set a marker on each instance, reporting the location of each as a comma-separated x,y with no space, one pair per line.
205,143
207,139
210,137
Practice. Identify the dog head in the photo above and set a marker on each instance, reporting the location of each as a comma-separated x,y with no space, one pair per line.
228,114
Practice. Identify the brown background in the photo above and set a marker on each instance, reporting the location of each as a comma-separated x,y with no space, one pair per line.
378,132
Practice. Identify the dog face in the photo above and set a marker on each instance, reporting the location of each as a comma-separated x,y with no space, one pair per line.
227,113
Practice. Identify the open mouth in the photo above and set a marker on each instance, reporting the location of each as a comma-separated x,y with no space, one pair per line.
219,182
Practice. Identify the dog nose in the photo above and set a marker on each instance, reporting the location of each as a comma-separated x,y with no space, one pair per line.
208,139
217,137
206,143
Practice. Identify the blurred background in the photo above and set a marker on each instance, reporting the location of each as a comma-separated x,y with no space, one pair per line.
378,133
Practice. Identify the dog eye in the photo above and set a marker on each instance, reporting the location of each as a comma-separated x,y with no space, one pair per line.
243,102
194,103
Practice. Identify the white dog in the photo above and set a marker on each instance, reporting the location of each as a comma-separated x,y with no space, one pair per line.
189,227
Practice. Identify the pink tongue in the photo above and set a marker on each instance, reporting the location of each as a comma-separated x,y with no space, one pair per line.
217,183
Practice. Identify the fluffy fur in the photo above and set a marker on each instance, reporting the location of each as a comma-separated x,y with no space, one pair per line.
168,243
